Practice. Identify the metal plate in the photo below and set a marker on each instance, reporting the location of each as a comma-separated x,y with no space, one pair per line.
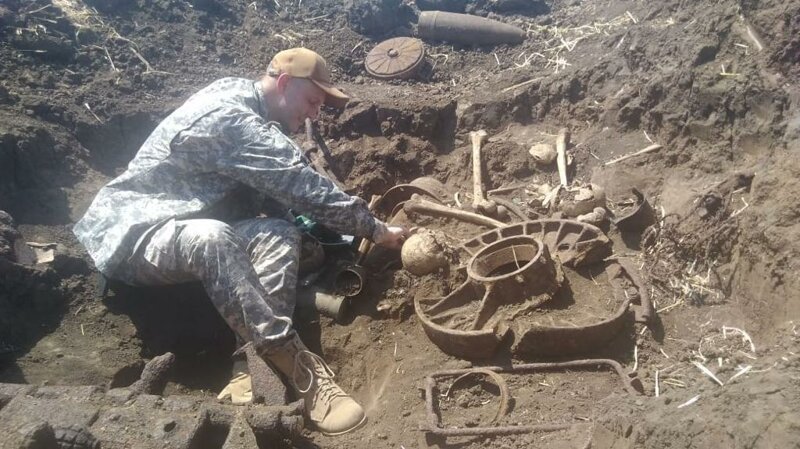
396,58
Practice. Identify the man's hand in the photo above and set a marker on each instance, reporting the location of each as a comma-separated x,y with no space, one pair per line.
393,237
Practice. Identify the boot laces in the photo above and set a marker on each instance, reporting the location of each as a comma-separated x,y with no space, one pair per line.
306,363
311,365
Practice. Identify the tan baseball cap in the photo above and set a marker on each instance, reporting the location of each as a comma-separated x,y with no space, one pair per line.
304,63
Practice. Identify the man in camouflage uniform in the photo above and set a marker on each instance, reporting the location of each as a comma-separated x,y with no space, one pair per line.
178,213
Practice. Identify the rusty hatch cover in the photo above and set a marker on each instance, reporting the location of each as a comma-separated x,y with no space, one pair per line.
396,58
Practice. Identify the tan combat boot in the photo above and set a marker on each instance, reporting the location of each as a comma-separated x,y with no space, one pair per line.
332,411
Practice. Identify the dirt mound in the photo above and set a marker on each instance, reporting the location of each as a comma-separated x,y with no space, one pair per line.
484,7
745,413
376,18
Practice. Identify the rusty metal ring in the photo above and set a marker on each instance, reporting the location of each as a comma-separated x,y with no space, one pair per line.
505,393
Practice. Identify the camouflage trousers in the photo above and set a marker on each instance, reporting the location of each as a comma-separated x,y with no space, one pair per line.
249,270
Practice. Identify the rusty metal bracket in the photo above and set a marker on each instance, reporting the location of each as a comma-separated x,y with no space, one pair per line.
639,217
632,385
644,312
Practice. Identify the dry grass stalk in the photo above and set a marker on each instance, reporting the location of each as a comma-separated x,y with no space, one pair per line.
558,39
707,372
93,114
87,18
148,67
742,371
689,402
524,83
658,389
751,34
674,383
648,149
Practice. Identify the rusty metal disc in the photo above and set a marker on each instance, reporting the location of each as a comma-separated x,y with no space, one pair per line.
396,58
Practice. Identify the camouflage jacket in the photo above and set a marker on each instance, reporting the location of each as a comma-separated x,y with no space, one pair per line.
212,158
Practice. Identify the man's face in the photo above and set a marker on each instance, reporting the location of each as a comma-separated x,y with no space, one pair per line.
300,99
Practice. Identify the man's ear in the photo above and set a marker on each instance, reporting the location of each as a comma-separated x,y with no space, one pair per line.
283,82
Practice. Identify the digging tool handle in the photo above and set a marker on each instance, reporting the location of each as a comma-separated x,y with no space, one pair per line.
323,165
316,137
366,245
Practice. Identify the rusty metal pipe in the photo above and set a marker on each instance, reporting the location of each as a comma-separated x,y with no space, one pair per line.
325,303
350,280
467,29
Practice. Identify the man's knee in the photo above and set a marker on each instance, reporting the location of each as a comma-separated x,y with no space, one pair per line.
206,233
269,227
186,249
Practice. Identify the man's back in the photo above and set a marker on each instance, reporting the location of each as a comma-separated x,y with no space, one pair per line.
172,174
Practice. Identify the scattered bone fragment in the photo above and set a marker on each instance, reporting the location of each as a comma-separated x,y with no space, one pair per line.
479,201
543,153
584,200
425,207
538,194
561,149
595,217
